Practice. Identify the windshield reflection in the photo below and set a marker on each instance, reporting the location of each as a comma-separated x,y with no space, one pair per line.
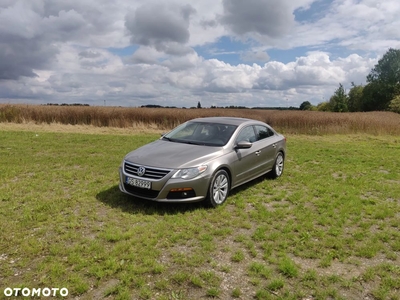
200,133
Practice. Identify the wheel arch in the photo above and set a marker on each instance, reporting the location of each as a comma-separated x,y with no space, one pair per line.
227,169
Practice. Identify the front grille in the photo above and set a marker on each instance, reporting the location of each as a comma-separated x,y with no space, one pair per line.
150,173
141,192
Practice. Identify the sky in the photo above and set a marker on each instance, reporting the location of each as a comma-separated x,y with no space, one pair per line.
253,53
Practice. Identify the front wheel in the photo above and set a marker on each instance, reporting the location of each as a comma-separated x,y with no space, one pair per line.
219,189
277,170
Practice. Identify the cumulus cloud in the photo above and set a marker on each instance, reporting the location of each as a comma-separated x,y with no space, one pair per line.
19,57
315,71
145,55
64,51
89,54
367,25
264,17
165,27
32,31
22,47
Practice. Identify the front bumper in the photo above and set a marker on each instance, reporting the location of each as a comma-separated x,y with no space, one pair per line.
161,189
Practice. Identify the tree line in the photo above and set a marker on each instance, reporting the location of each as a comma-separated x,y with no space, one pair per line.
382,91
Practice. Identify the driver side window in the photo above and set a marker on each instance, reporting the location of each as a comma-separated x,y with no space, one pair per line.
247,134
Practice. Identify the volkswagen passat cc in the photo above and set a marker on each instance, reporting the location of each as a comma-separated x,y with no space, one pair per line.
203,159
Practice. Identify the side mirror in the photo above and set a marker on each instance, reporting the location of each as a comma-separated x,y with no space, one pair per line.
243,145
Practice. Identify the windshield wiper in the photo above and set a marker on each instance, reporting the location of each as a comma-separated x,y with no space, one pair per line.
190,142
183,141
169,139
178,141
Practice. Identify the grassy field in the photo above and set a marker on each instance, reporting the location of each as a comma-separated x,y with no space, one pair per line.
329,228
288,122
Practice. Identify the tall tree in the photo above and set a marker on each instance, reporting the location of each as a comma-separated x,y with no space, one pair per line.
383,81
338,102
373,97
388,68
355,97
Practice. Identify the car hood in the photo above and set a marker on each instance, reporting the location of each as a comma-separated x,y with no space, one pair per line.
172,155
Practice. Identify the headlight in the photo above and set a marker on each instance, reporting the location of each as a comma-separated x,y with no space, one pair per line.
189,173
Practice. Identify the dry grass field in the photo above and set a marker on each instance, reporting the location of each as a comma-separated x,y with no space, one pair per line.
288,122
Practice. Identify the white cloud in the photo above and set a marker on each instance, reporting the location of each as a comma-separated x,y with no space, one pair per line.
367,25
52,51
145,55
165,27
269,18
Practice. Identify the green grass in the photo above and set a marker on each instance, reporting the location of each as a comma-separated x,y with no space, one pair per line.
328,228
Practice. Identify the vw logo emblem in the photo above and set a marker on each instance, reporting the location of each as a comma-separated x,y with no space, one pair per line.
141,171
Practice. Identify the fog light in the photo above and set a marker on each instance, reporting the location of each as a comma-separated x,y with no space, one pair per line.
181,189
181,193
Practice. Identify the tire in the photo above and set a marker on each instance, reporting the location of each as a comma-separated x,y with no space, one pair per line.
278,167
218,190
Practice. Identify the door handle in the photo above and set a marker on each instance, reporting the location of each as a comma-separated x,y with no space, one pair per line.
274,145
258,152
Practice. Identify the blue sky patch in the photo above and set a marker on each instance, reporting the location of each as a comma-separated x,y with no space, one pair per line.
316,11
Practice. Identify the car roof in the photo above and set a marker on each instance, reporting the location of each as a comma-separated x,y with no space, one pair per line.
225,120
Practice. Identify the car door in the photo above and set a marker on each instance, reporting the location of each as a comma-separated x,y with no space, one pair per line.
246,165
266,141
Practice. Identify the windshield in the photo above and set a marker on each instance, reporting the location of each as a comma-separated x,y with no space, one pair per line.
200,133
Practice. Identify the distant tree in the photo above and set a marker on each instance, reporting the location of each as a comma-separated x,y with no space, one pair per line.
394,105
152,106
355,98
383,82
324,106
199,105
338,102
306,105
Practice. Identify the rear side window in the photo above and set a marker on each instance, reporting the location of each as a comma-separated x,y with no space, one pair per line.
263,132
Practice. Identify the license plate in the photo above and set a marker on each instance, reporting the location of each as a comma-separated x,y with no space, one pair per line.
144,184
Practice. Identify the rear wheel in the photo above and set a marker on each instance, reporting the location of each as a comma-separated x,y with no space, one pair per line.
219,189
277,169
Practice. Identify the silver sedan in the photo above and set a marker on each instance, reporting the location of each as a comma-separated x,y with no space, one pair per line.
203,159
